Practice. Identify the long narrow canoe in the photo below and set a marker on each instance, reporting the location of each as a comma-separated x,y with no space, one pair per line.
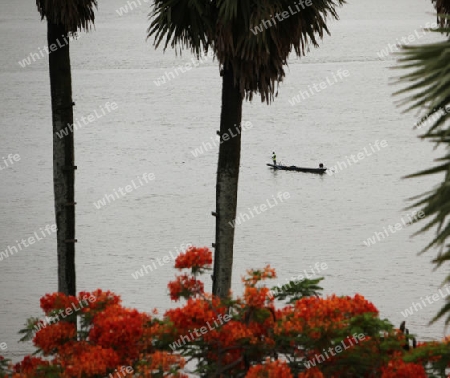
297,169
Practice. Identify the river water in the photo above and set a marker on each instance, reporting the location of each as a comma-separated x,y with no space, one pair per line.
138,133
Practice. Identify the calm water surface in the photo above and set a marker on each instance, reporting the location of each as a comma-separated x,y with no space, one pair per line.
154,131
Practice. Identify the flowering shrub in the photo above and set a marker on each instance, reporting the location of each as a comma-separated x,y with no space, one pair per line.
280,332
197,259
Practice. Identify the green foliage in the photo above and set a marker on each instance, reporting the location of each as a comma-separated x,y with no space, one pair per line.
437,355
429,83
29,330
4,367
295,290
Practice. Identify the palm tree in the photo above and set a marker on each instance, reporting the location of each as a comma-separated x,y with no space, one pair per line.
430,82
252,40
64,18
442,9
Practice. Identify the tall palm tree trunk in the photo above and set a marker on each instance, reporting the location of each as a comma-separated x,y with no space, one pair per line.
63,155
227,183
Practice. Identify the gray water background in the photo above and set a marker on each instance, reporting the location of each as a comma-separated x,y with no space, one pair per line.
155,128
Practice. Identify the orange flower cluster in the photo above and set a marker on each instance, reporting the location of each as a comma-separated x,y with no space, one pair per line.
311,373
196,313
194,258
50,338
235,333
120,329
161,362
235,337
314,315
185,286
271,369
56,301
334,308
257,297
254,276
98,300
111,337
83,302
397,368
81,358
29,366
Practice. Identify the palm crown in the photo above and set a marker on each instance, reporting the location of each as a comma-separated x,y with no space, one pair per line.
74,15
225,26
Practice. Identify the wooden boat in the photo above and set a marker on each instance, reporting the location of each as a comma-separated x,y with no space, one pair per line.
298,169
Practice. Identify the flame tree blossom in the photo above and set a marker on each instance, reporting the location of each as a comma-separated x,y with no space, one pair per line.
262,335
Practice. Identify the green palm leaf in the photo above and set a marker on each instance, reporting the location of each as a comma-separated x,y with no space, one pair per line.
428,87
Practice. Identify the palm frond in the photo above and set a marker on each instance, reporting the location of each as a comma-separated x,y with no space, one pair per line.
258,59
429,85
182,24
443,9
74,14
429,82
444,310
225,26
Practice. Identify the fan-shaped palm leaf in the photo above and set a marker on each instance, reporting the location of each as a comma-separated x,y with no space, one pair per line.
73,14
258,59
226,26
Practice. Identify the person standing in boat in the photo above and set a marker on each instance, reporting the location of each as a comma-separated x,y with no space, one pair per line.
274,158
